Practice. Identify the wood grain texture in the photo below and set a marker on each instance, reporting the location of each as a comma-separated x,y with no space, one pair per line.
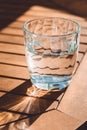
17,95
76,6
74,102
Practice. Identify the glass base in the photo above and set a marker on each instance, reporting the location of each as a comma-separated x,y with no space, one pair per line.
49,82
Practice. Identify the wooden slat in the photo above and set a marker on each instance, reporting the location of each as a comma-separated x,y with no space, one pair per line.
74,102
83,39
16,24
79,57
83,24
15,87
12,48
15,72
13,59
11,39
82,48
7,84
59,120
12,31
84,31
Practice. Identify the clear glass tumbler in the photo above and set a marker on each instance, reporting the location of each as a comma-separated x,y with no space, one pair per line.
51,51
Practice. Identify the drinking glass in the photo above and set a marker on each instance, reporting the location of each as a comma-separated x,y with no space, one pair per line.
51,46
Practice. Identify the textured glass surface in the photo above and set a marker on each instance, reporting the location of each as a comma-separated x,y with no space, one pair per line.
51,51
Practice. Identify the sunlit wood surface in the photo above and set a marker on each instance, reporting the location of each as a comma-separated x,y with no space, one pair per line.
64,110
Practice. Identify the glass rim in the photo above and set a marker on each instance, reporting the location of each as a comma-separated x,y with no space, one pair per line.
43,35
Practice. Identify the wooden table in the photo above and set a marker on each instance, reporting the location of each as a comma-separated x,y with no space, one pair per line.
64,110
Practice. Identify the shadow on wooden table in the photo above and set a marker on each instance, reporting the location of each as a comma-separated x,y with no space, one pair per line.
24,104
76,7
83,126
16,107
11,10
